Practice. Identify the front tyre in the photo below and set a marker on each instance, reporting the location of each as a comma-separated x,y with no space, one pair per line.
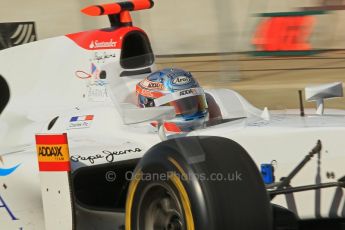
196,183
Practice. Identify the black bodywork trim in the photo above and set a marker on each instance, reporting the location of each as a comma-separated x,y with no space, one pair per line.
126,5
101,9
129,73
52,123
152,3
93,192
136,51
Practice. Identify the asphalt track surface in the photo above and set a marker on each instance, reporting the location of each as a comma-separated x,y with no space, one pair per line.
271,82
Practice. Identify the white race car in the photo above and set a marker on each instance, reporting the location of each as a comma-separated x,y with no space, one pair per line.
77,153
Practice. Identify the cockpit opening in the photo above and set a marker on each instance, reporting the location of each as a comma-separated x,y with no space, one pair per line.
136,51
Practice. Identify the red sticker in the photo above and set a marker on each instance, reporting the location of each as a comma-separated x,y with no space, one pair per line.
53,152
102,39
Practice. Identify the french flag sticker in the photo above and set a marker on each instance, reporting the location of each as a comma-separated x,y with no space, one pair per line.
82,118
80,122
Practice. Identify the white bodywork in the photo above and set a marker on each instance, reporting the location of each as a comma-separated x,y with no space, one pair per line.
43,86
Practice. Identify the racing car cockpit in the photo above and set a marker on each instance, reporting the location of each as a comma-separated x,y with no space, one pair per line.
189,106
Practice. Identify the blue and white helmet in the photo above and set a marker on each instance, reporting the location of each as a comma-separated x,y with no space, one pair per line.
173,87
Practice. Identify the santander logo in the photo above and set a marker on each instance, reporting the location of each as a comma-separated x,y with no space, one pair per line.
102,44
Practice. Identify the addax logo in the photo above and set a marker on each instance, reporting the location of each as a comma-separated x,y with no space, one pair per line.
53,152
50,151
181,80
97,44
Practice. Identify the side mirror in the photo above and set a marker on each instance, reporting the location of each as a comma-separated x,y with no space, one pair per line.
320,92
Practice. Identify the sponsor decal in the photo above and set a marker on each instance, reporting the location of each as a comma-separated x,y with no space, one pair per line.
82,74
80,122
148,93
109,156
8,171
95,84
99,82
52,152
94,73
95,76
187,92
97,93
102,57
102,44
181,80
4,207
152,85
155,85
93,68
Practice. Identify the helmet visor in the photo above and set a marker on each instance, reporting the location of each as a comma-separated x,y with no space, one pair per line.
144,102
190,106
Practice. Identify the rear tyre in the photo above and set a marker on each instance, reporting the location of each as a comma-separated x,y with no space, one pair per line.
196,183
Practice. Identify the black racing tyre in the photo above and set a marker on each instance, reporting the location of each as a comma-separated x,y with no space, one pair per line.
4,94
197,183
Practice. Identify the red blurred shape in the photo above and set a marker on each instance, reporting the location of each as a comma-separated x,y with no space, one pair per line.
172,127
104,9
92,11
142,4
287,33
125,17
116,8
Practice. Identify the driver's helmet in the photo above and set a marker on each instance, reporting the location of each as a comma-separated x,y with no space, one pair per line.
173,87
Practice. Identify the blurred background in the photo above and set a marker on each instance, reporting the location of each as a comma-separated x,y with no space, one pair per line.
266,50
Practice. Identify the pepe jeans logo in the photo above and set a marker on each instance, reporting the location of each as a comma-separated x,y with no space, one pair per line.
98,44
181,80
109,156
